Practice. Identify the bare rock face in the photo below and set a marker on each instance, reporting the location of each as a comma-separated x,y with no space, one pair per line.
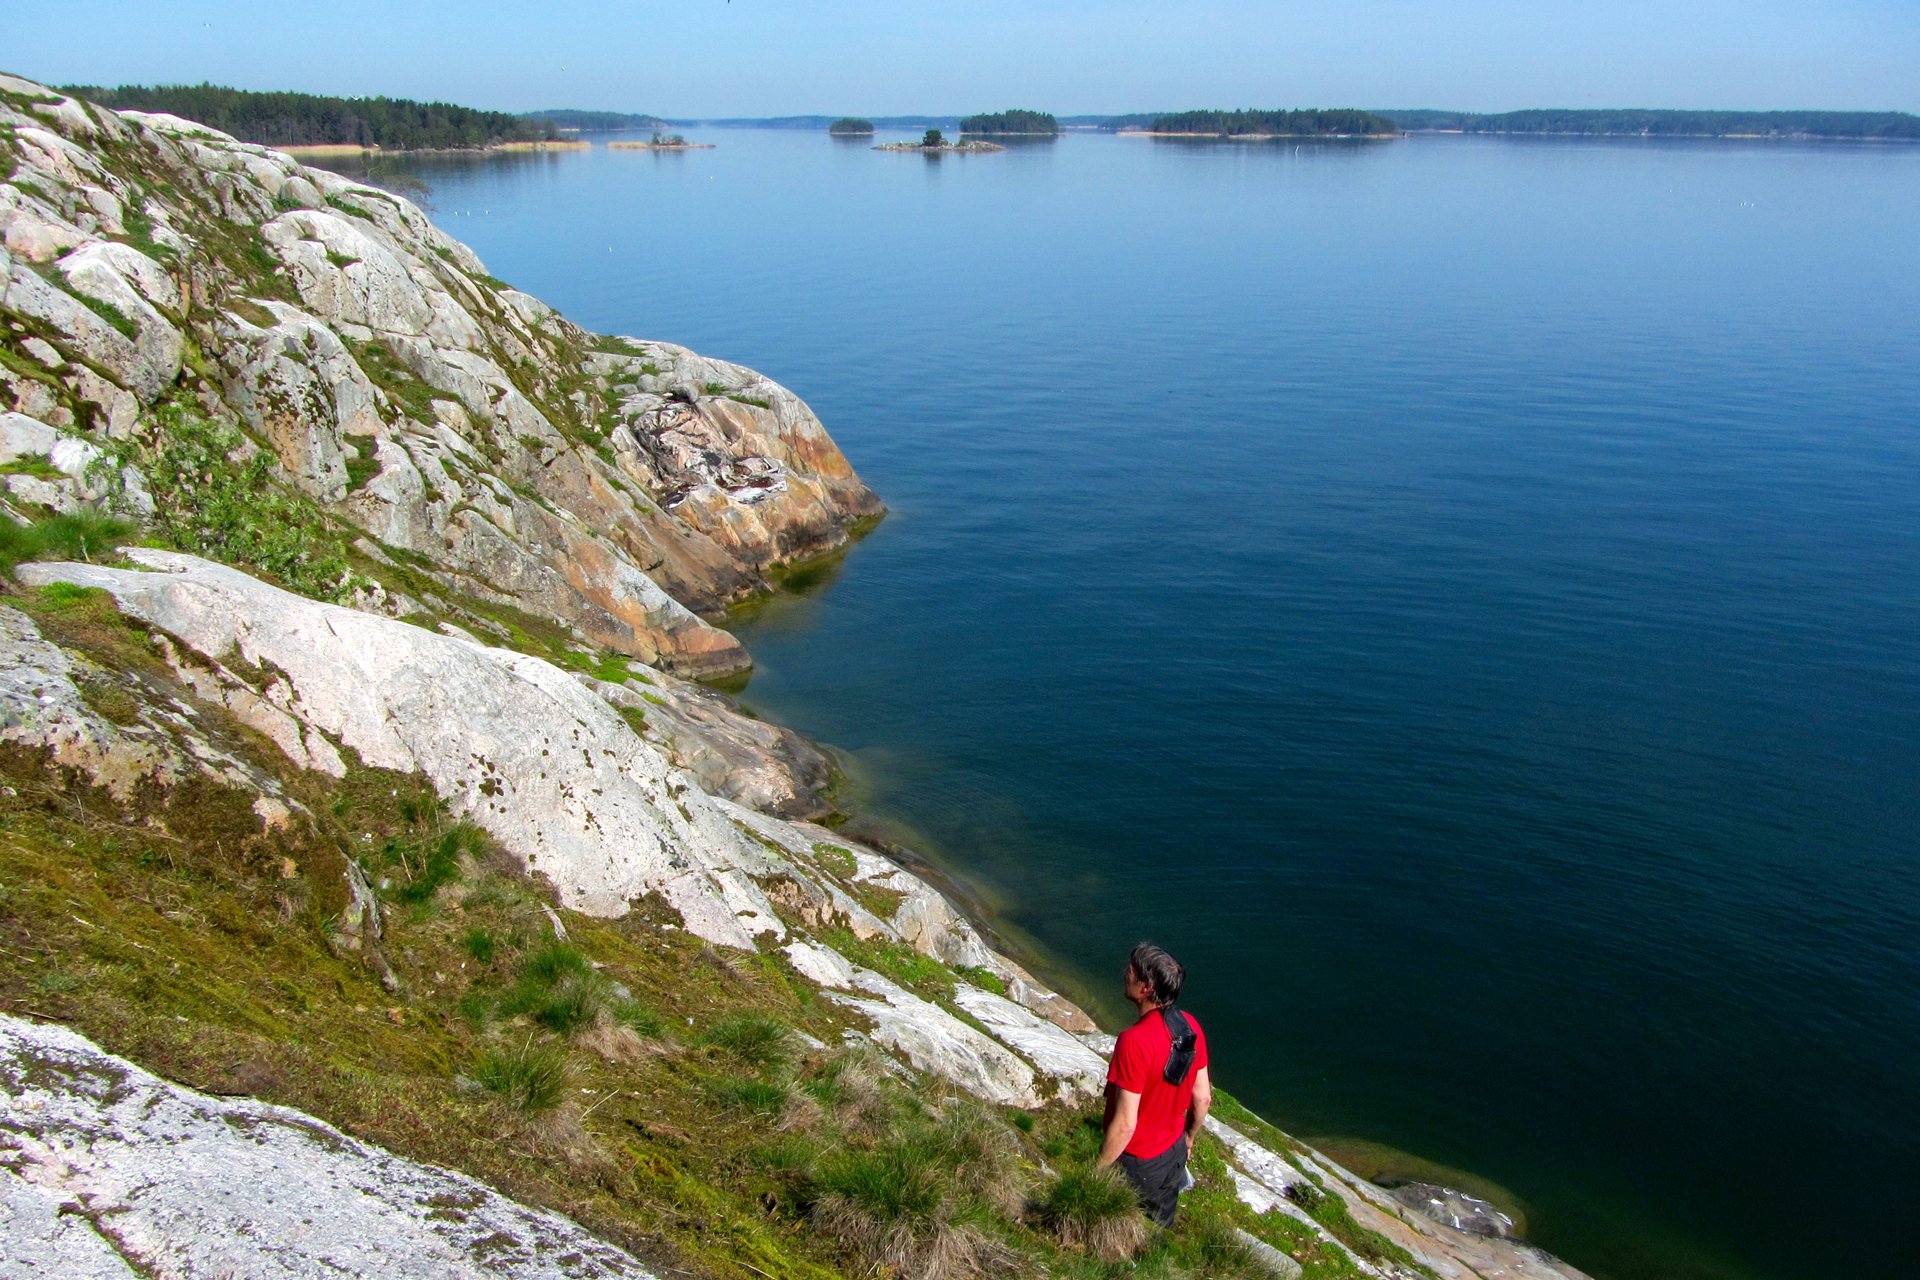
610,484
113,1173
518,745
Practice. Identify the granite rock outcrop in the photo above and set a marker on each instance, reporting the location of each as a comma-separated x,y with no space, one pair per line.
615,486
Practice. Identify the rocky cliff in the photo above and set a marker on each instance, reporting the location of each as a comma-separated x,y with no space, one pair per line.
432,414
436,848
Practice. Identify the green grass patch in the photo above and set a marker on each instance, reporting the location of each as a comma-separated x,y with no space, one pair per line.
80,535
529,1078
33,464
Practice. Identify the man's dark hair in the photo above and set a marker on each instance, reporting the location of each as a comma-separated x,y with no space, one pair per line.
1153,966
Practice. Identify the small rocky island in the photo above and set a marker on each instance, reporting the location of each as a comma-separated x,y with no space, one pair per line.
659,142
934,143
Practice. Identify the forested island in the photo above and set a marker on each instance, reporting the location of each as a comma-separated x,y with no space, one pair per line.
850,126
1237,124
305,119
594,121
1672,124
1030,123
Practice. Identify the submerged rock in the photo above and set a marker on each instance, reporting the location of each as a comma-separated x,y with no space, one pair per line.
1456,1209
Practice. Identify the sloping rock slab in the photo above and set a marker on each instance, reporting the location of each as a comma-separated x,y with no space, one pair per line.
932,1039
1052,1051
515,743
115,1173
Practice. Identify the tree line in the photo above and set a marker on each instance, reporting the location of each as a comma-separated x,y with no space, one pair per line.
1294,123
305,119
1040,122
1693,124
567,118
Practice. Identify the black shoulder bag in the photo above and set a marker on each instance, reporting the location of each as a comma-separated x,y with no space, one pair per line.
1185,1044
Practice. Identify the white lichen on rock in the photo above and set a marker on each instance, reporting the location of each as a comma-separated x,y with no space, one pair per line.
114,1173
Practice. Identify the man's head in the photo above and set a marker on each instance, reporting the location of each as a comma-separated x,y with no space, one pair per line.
1158,972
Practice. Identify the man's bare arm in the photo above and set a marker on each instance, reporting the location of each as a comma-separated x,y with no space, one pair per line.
1197,1109
1123,1114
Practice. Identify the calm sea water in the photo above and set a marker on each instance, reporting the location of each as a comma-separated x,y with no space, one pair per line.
1460,595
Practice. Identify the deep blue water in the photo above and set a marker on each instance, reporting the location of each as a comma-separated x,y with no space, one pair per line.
1460,595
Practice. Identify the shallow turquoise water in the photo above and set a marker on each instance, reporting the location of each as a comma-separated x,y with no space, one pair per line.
1460,595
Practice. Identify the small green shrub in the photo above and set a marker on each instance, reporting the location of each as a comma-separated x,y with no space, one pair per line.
212,502
754,1038
532,1078
1306,1195
1095,1210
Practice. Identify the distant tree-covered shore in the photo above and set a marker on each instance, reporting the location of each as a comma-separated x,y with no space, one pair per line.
1004,122
850,124
1231,124
590,121
305,119
1676,124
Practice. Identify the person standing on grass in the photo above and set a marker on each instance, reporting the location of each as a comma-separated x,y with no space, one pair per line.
1158,1090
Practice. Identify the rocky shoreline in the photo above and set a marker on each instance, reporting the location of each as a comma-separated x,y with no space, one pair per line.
530,521
956,148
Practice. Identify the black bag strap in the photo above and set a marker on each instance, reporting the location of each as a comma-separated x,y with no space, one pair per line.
1185,1044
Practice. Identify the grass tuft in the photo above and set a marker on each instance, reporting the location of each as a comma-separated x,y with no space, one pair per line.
1095,1210
756,1039
532,1078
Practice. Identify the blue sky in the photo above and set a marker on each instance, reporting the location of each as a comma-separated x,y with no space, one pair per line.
773,57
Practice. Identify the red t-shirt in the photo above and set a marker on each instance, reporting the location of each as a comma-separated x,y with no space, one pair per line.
1139,1059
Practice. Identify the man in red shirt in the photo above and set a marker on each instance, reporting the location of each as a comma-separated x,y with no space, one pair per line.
1158,1090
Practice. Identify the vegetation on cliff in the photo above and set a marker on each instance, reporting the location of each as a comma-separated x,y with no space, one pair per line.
305,119
1274,123
1011,122
705,1108
1673,124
